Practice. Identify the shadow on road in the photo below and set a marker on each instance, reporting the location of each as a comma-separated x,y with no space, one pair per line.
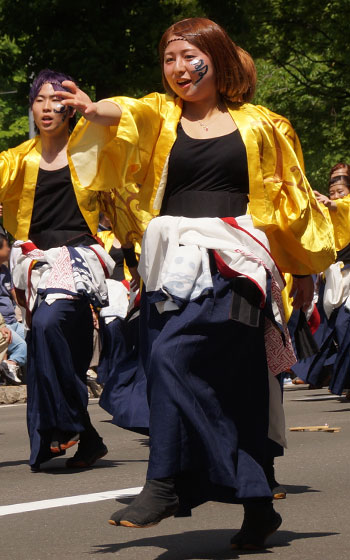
58,466
295,489
14,463
203,545
338,410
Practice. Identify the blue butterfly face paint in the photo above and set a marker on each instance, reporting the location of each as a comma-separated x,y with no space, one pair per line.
199,68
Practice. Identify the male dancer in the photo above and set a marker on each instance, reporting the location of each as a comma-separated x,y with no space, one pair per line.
63,264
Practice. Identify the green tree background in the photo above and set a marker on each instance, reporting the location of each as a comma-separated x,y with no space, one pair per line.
300,47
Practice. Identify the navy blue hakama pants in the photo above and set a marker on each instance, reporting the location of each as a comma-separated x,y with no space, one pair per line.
59,354
207,383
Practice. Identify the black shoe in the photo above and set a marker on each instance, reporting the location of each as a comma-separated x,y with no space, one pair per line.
86,456
258,524
156,502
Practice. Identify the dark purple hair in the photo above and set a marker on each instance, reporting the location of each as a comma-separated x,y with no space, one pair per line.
48,76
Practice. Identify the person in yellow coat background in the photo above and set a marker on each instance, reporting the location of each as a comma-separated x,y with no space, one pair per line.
331,364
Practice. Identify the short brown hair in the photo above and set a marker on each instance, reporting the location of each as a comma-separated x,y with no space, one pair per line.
345,175
340,165
235,73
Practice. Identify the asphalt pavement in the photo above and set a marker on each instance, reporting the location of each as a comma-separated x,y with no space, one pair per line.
316,513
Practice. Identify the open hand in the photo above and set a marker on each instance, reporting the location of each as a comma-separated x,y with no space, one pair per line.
78,99
323,199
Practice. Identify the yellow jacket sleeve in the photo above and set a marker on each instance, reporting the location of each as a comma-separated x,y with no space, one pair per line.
17,186
341,222
106,157
11,170
286,128
7,162
283,204
116,160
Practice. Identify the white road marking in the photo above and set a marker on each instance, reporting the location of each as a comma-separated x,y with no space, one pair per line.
69,501
318,398
12,405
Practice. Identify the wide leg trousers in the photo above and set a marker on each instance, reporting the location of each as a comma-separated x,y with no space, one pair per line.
59,353
207,383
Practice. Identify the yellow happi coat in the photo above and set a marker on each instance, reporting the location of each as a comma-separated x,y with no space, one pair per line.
136,152
19,169
285,127
341,222
128,165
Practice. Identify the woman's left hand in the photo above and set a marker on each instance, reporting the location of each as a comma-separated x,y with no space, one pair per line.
302,292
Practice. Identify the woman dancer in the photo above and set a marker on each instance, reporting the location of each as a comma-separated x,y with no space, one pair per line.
201,153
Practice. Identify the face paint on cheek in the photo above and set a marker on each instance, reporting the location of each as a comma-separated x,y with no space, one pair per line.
59,108
199,68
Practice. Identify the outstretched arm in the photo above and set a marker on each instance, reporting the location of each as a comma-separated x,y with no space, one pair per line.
323,199
104,113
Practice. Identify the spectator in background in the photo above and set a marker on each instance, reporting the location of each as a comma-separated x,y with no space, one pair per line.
17,348
331,365
339,172
5,337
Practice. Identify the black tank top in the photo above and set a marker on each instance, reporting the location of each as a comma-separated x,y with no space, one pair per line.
207,177
56,216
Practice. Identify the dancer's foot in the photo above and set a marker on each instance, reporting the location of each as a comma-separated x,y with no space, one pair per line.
86,456
298,381
156,502
62,440
258,525
279,492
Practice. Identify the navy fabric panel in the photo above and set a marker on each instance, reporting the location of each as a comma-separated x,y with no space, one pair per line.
114,347
310,369
125,392
333,339
341,369
208,393
59,354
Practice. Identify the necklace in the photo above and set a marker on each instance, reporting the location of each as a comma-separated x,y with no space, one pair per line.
205,126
